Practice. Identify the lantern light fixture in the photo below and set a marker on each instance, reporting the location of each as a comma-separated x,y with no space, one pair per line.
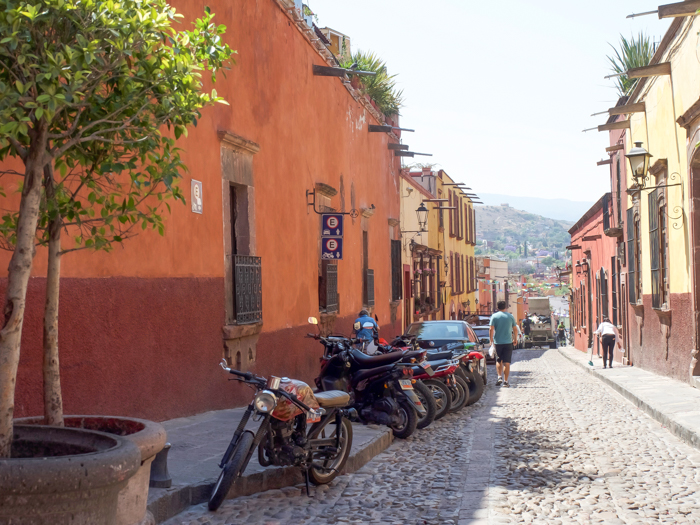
639,163
422,213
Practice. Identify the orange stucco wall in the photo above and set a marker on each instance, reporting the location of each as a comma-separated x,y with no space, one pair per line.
309,130
159,300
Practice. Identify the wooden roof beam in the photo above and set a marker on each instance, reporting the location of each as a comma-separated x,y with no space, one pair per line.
679,9
655,70
638,107
622,124
616,147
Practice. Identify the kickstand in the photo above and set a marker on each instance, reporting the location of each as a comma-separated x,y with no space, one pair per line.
308,488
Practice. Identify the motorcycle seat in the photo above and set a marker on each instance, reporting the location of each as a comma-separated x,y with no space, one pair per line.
366,361
332,398
436,363
435,356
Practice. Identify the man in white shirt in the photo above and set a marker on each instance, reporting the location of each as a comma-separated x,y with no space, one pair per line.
609,335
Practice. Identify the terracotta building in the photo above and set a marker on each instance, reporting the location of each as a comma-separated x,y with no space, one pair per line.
142,329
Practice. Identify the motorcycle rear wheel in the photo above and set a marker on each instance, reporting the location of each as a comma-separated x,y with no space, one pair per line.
326,471
231,470
426,397
409,418
462,397
442,395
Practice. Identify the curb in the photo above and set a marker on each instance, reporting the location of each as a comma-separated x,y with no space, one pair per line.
678,429
178,499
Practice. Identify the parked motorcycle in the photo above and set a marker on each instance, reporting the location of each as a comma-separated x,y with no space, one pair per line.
380,387
286,408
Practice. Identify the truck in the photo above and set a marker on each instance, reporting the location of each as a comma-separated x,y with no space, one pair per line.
542,329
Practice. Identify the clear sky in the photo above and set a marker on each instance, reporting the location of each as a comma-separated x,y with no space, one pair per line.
500,91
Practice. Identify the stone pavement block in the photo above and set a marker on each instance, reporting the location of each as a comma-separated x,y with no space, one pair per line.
674,404
198,443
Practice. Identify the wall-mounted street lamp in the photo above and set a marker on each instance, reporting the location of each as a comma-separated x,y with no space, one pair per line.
584,266
639,163
422,214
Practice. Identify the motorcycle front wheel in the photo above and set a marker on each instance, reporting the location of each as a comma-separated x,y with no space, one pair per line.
408,419
231,470
324,471
442,396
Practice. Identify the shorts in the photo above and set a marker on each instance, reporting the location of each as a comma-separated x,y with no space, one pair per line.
504,353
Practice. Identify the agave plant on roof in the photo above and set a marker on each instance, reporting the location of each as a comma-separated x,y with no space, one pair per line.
381,87
635,52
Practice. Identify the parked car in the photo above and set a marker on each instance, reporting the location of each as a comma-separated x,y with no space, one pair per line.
434,334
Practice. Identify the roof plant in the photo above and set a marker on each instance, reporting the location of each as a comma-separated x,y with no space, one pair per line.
93,94
381,87
635,52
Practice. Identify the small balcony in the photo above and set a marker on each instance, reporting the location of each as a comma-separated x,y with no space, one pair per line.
611,226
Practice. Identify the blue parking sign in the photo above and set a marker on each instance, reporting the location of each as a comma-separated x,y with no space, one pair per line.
332,248
331,225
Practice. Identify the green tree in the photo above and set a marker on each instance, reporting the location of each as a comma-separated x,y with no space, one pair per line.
86,89
380,87
635,52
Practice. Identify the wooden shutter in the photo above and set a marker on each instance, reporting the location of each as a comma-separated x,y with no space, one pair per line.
396,270
452,230
631,262
466,225
654,249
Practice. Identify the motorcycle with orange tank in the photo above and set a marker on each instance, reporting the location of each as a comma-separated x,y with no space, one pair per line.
297,428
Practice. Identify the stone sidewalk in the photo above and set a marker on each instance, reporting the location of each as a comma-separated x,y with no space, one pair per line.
674,404
198,443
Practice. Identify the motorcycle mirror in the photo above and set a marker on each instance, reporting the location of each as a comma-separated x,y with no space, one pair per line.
376,318
313,320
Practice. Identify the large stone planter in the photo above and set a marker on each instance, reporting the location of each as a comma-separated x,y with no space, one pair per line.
148,436
62,476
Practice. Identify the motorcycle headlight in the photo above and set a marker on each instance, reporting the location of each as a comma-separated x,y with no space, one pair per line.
265,402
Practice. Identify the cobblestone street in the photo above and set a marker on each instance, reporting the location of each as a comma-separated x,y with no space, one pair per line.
557,447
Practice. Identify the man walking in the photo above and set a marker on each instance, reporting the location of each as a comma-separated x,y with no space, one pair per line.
503,334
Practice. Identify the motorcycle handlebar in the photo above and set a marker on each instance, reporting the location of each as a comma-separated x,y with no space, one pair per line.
248,376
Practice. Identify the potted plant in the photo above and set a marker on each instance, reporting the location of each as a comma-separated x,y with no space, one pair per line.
77,141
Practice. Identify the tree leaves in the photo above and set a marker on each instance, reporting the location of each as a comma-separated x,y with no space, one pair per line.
100,78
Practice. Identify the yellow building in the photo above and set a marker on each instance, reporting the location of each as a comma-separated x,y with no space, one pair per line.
422,267
661,265
457,238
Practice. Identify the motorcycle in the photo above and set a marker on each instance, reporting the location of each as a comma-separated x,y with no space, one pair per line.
380,387
467,386
286,408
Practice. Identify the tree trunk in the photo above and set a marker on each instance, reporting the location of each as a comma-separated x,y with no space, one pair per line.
18,274
53,401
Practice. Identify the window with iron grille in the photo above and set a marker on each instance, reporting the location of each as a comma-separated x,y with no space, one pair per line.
247,289
654,250
663,256
606,211
603,293
452,227
369,279
396,270
328,288
631,262
614,288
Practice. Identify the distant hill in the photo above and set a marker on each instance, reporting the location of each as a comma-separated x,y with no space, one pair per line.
561,209
507,229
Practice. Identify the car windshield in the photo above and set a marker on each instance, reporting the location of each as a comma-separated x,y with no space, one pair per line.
437,330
